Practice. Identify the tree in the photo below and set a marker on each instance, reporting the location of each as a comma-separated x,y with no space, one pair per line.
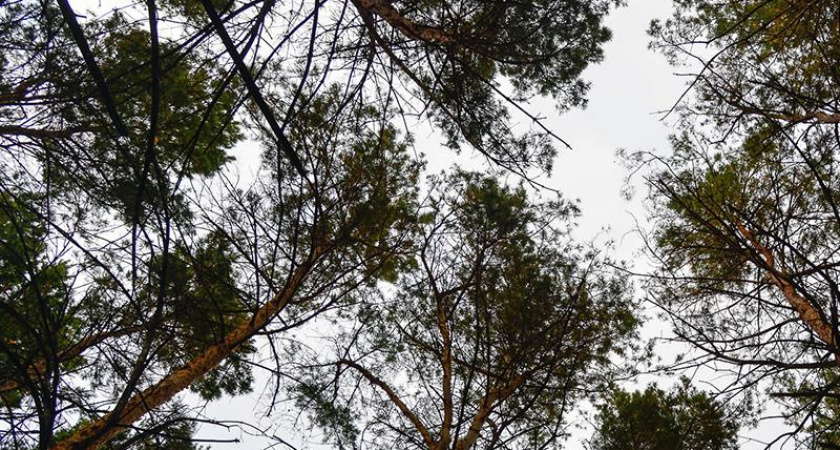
487,341
653,419
209,312
34,292
762,60
824,421
164,272
745,208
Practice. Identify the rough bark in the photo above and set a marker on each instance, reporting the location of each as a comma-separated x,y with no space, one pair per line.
408,28
100,431
809,314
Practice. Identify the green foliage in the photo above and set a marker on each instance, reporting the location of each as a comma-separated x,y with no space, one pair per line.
335,419
135,254
746,208
815,407
34,299
192,139
774,58
497,277
202,307
653,419
371,200
196,125
538,47
528,283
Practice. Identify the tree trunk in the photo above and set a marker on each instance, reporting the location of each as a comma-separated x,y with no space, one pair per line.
100,431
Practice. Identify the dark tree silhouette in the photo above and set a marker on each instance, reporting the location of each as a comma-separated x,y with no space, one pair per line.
135,265
745,208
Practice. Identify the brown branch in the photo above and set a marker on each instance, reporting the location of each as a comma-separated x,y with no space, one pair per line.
41,133
463,363
18,94
446,365
818,116
98,432
496,395
408,28
395,399
37,369
383,44
810,116
807,312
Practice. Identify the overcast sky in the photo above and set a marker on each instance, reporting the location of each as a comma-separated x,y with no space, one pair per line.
629,90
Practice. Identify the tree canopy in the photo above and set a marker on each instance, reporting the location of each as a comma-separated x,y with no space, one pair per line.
139,262
488,340
192,193
653,419
746,205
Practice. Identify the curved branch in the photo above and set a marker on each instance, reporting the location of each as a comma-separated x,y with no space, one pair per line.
395,399
100,431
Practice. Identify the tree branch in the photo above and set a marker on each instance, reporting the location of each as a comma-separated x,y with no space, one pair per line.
93,68
41,133
395,399
38,368
409,29
490,401
811,116
254,91
807,312
98,432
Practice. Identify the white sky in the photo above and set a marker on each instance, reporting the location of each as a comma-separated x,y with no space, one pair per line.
629,89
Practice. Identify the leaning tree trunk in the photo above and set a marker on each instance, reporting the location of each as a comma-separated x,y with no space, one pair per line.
100,431
808,313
